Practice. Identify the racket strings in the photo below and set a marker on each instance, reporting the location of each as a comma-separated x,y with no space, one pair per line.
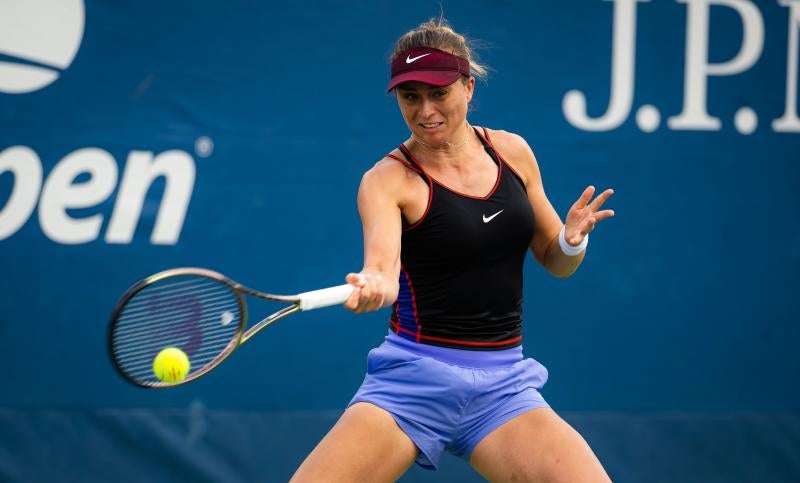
196,314
173,300
180,317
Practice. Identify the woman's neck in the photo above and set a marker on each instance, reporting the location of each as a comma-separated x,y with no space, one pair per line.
447,152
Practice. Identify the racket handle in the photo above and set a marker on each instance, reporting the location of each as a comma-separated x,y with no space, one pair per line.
325,297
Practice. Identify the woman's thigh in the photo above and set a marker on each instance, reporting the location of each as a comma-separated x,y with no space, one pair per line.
537,446
365,445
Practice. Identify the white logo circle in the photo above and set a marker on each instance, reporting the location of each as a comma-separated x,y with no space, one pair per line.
41,37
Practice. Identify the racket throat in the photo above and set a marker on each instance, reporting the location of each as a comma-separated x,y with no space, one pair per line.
269,321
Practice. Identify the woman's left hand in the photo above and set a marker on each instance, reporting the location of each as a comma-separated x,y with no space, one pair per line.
583,216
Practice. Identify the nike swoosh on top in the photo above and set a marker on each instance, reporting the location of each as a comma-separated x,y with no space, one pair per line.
490,218
410,60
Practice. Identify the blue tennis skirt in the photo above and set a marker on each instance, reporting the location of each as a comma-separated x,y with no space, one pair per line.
449,399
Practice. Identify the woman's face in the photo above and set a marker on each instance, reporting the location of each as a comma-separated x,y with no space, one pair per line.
435,115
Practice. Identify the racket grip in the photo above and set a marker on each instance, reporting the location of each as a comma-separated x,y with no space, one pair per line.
325,297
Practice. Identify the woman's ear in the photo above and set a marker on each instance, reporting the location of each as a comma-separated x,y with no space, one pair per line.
470,86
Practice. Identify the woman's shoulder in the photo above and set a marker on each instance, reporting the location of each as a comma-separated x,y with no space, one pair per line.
389,179
390,169
392,164
515,151
505,141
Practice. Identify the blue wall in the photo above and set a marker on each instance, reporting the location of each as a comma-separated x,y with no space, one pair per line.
686,303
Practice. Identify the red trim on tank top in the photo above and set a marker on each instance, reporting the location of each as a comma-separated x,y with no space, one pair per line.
398,329
406,163
430,190
394,320
413,301
439,183
500,156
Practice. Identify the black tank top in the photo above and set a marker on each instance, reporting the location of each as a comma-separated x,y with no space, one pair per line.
461,263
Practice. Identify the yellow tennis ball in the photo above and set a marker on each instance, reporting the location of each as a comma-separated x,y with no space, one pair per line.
171,365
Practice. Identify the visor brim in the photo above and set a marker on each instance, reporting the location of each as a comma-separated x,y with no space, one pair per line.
436,78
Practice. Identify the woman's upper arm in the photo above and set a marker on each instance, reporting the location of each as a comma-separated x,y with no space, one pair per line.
522,159
379,207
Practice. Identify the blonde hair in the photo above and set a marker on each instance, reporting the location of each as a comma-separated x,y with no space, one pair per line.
436,33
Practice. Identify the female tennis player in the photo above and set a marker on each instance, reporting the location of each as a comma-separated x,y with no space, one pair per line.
448,217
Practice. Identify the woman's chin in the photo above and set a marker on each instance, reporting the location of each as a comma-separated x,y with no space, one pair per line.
432,138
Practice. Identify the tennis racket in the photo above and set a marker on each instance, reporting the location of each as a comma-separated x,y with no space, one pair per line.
199,311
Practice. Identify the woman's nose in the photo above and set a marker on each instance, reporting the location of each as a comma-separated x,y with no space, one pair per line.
426,108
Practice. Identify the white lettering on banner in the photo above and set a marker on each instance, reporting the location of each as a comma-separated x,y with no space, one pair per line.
61,192
24,165
694,114
623,55
140,171
789,122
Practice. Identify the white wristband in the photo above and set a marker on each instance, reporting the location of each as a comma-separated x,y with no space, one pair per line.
568,249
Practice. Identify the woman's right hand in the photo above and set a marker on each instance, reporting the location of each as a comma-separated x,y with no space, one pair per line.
369,294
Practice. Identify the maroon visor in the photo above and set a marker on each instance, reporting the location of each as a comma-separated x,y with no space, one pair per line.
429,66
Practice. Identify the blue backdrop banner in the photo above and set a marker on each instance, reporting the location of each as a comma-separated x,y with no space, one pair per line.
140,136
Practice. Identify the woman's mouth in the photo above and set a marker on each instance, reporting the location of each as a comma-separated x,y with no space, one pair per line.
430,125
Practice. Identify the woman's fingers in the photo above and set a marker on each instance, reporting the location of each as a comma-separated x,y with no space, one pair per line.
368,294
602,215
601,198
352,301
353,278
584,198
591,222
585,214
